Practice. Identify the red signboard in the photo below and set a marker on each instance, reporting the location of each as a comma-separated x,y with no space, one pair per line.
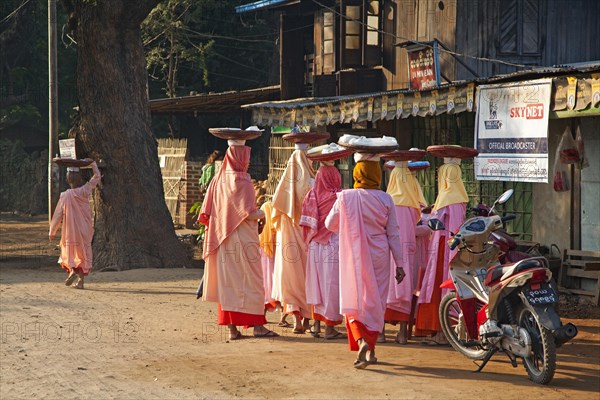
422,67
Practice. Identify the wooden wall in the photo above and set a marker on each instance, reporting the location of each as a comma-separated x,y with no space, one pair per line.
546,32
422,20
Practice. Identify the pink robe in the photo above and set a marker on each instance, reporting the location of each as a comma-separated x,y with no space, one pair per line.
233,275
289,276
268,266
422,242
74,212
323,279
400,296
322,265
452,217
368,229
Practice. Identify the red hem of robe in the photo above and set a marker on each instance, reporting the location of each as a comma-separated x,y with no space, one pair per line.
393,316
239,318
356,330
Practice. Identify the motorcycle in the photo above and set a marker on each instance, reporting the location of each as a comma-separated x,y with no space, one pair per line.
501,238
493,307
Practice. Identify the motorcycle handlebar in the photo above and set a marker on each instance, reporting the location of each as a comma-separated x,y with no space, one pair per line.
455,242
509,217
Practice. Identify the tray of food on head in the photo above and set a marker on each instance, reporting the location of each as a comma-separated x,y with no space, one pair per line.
236,133
328,152
361,144
72,162
413,154
452,151
306,137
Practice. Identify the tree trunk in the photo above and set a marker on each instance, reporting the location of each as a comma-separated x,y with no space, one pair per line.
133,226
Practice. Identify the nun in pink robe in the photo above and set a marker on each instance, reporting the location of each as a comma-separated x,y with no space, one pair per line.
404,190
289,276
366,221
233,275
450,208
322,268
74,212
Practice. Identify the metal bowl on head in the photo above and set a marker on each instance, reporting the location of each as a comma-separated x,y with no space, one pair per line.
306,137
418,165
452,151
235,133
404,155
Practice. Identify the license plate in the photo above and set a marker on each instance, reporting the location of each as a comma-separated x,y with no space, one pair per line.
544,295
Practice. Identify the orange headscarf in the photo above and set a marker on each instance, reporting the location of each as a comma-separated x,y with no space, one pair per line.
367,175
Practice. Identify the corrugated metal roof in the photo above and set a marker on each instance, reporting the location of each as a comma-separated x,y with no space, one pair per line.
213,102
584,67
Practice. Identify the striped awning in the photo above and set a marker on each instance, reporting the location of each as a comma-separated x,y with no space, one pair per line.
452,99
571,92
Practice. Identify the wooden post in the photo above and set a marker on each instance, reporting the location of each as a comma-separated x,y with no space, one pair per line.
52,105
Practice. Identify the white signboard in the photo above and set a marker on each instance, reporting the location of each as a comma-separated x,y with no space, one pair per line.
66,148
511,131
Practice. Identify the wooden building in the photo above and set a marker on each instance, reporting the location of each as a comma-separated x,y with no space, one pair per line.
344,66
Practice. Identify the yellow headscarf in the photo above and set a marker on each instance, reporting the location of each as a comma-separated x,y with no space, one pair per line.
403,186
367,175
267,236
451,189
421,196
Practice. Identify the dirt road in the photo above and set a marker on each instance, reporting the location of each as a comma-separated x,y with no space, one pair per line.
142,334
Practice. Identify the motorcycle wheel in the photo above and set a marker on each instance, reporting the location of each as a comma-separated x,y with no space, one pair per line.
541,363
454,328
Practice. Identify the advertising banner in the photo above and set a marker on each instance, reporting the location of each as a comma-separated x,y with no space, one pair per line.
511,131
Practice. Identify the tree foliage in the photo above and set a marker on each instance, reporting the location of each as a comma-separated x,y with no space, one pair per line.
204,46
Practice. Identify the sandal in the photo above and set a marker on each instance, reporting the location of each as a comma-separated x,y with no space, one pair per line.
300,331
336,335
267,334
235,336
284,324
70,279
78,285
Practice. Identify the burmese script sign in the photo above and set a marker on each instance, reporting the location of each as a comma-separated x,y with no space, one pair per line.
423,67
511,131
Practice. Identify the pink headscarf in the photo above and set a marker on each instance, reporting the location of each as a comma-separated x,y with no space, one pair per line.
229,199
317,204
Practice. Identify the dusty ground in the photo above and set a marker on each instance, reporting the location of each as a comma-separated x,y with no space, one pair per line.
142,334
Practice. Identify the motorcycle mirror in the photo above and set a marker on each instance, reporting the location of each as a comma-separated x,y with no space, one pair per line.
505,196
436,225
502,199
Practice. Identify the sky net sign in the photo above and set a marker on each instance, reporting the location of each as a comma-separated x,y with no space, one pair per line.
511,131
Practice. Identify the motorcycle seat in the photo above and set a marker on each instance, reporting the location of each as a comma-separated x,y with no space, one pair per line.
497,271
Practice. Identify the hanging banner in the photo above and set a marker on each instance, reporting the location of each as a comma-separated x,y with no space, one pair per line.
511,131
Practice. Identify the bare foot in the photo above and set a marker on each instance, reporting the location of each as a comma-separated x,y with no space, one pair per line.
78,285
401,336
361,358
371,359
234,334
